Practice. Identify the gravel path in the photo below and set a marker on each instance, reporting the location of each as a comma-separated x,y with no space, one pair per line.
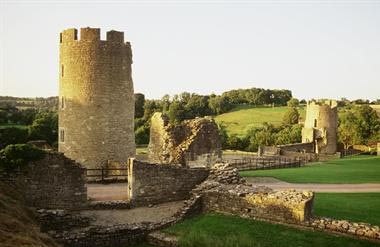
280,185
142,214
107,192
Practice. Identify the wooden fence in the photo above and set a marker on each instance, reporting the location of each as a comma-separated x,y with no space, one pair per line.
262,163
106,175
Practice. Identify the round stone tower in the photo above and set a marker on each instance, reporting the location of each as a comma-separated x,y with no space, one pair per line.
321,126
96,105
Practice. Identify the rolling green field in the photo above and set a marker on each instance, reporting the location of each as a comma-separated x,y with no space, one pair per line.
242,118
357,207
358,169
229,231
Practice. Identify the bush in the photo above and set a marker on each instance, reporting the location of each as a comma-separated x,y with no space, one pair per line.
142,135
16,156
291,116
12,135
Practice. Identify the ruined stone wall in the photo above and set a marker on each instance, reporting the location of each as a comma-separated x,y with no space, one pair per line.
96,105
226,192
321,126
282,206
193,143
152,183
54,182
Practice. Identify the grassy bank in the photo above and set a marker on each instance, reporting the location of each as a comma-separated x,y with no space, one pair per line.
359,169
229,231
357,207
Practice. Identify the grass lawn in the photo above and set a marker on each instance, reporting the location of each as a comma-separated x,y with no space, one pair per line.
142,149
229,231
358,169
358,207
244,117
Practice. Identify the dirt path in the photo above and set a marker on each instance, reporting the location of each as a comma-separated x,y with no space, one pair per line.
142,214
107,192
280,185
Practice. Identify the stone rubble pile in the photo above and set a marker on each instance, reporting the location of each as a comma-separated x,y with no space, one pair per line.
343,226
225,174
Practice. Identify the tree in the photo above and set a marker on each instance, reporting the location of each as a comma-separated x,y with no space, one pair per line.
176,112
220,104
293,102
142,135
45,127
291,116
139,105
289,134
16,156
358,125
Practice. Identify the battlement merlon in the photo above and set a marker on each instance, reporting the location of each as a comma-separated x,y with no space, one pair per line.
70,34
331,103
88,34
115,36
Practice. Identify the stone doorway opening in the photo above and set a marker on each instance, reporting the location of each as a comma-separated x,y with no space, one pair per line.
107,184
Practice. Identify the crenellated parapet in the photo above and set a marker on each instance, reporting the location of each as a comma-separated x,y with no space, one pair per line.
88,34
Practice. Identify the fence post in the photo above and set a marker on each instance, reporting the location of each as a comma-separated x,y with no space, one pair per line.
102,175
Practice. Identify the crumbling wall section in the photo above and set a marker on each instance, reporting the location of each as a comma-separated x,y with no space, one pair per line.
194,143
321,126
226,192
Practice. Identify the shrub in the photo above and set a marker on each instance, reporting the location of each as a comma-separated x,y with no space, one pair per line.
16,156
12,135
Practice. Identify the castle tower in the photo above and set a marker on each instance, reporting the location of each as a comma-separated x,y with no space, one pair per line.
96,106
321,126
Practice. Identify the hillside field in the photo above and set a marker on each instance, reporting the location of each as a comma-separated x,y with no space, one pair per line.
244,117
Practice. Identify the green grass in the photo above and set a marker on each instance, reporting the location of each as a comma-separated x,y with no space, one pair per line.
142,149
5,126
229,231
242,118
358,169
357,207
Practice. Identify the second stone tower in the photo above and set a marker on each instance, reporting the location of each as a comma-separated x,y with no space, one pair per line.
96,105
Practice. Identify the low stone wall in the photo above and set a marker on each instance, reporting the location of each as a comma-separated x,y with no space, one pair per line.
280,149
152,183
282,206
307,147
226,192
54,182
306,157
60,220
346,227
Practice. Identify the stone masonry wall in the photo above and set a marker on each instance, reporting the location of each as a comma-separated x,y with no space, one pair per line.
226,192
55,182
193,143
280,149
321,126
96,105
151,183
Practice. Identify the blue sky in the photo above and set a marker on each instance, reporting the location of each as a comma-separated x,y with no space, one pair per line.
317,49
